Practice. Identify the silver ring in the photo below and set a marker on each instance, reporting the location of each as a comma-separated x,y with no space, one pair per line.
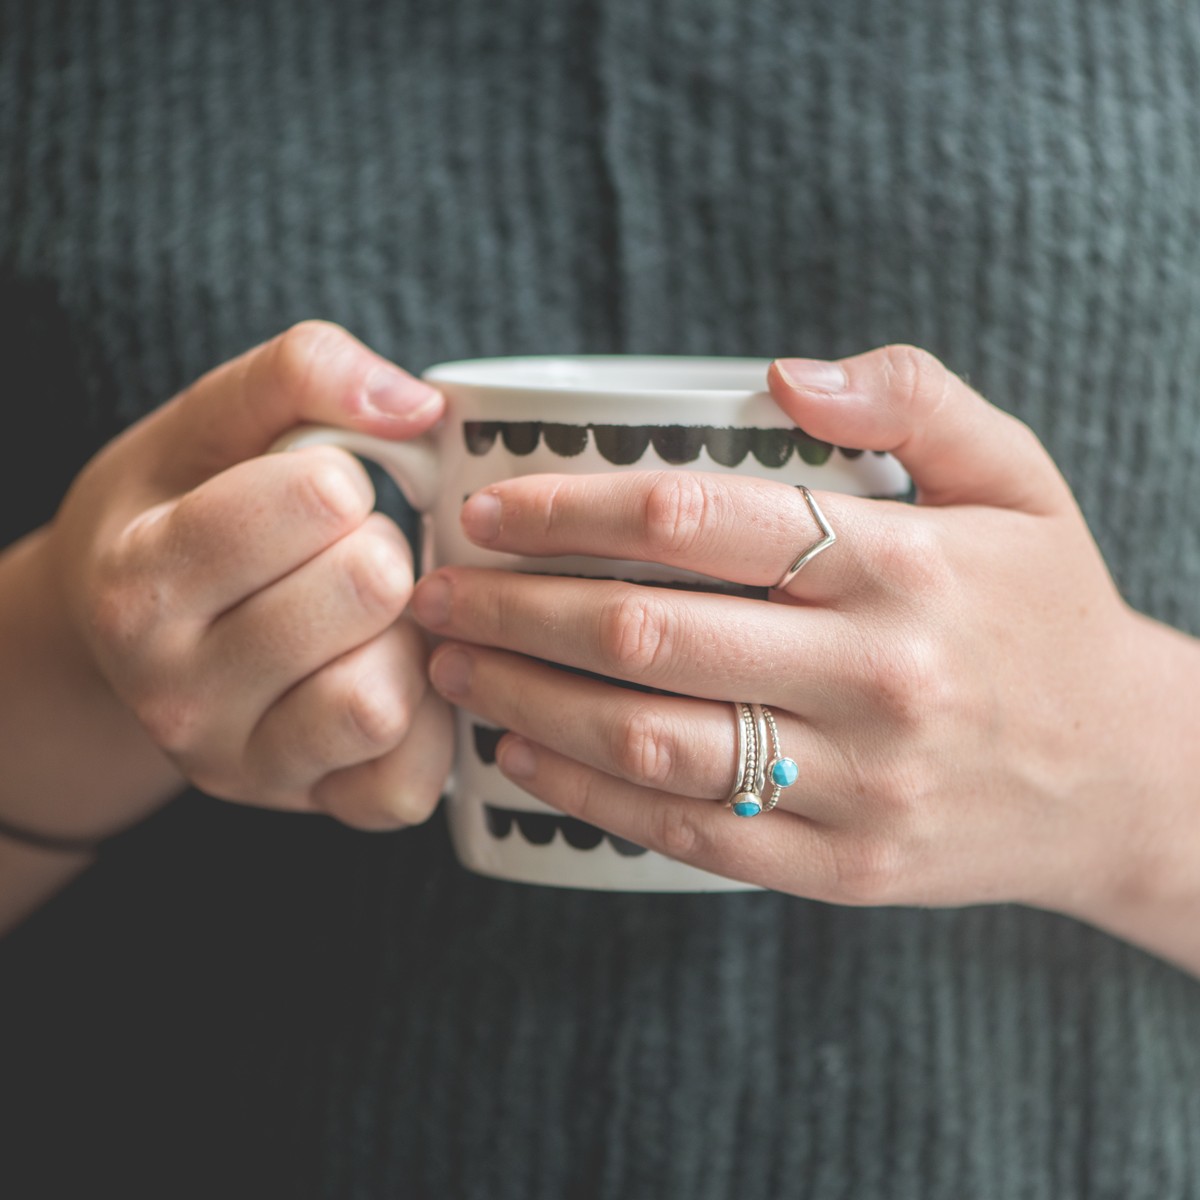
744,799
758,737
827,538
781,770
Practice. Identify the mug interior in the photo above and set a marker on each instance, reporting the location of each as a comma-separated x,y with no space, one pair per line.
641,374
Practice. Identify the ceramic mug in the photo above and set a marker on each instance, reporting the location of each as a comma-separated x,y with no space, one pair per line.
581,415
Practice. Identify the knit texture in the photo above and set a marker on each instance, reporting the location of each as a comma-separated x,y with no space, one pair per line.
240,1003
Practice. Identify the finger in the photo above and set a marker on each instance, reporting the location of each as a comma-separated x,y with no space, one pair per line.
672,744
353,710
401,787
740,529
958,448
248,527
315,371
341,599
697,644
775,850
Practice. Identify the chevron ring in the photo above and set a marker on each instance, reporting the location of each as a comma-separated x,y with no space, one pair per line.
828,537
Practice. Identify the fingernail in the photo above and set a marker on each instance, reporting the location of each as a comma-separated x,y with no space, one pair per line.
516,758
431,601
450,671
393,393
481,517
812,374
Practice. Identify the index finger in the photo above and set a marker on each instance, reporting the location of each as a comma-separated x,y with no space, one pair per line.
730,527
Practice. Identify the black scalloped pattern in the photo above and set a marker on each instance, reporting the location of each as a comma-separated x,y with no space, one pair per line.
538,829
677,444
486,740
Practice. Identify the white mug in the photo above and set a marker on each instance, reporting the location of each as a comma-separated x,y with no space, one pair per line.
581,415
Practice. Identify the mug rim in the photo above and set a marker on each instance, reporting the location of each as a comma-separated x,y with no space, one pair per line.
533,373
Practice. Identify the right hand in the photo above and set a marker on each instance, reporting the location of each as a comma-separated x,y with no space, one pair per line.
247,606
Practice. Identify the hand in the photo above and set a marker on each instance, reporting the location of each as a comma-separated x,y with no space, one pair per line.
976,714
247,608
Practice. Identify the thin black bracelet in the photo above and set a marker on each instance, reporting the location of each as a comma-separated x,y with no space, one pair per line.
47,841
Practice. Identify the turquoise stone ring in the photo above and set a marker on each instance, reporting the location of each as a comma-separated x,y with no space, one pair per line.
760,762
784,772
747,804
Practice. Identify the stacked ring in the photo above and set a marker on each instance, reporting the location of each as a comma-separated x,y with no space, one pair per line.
756,724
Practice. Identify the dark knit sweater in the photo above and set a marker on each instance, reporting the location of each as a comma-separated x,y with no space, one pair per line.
237,1003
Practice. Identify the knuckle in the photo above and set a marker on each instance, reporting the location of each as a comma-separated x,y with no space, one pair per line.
898,793
302,351
907,682
123,604
635,634
356,813
643,748
171,718
327,493
415,806
868,871
374,810
378,718
915,377
912,373
117,616
676,831
379,575
912,557
676,506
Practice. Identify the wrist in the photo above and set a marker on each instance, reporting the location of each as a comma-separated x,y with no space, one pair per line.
78,765
48,577
1147,890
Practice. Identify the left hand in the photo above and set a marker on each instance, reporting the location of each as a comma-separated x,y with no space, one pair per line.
958,680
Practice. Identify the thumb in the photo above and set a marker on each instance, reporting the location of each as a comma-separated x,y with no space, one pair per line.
958,448
315,371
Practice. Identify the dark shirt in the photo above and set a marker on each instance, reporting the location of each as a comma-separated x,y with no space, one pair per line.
241,1003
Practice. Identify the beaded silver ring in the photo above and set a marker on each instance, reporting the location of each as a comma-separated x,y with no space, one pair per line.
756,727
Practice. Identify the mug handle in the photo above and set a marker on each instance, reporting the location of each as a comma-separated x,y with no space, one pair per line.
413,465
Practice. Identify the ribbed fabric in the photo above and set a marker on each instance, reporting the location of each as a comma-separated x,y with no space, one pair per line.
239,1003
